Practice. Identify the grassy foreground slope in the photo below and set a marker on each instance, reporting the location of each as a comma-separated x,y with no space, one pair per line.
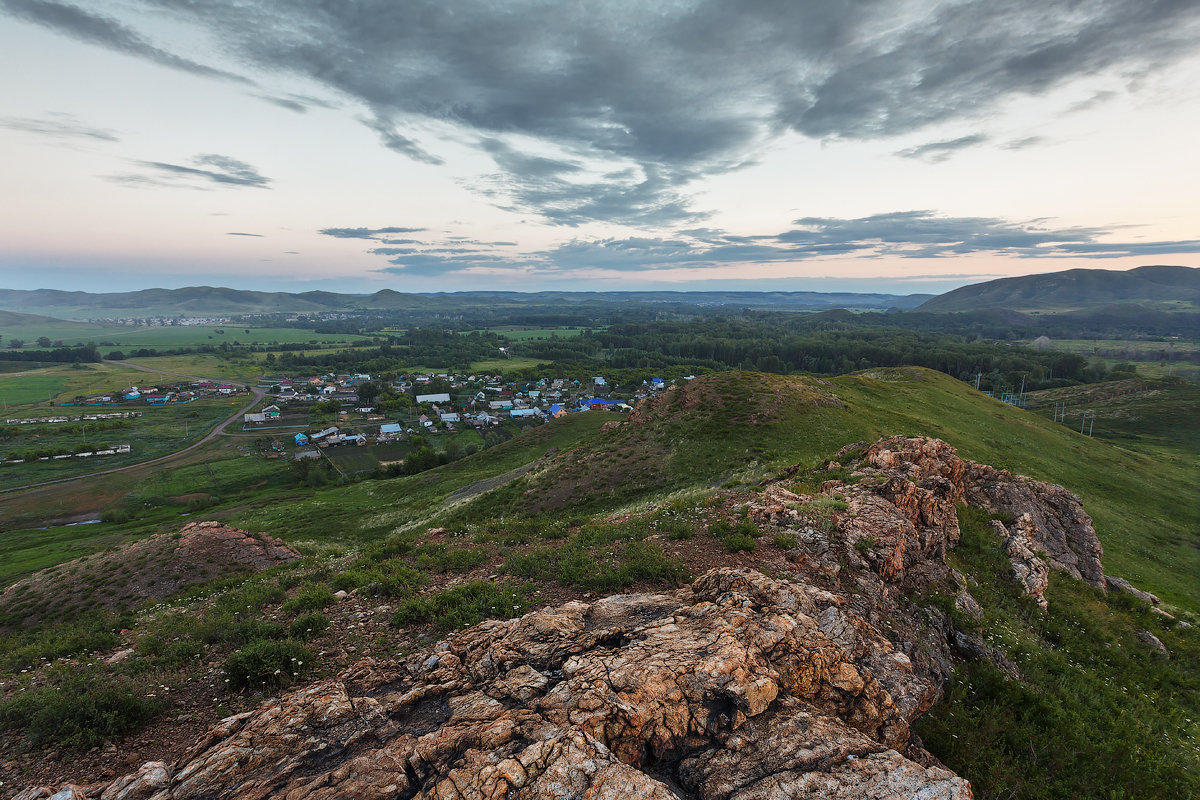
739,425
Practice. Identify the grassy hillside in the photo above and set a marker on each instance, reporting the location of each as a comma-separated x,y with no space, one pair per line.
1160,287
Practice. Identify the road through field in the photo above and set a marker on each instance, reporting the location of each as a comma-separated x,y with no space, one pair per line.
259,394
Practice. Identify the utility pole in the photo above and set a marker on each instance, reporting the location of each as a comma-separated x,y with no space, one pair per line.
978,377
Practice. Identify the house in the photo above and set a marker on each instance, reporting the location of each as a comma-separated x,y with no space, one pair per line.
323,434
391,429
526,412
450,417
254,419
498,405
600,403
301,439
486,419
441,397
355,439
426,421
557,411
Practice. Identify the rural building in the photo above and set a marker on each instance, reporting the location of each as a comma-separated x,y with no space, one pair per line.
442,397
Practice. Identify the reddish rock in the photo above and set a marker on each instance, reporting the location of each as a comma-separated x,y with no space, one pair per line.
1064,531
738,687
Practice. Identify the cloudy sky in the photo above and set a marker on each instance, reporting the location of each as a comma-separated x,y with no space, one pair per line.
863,145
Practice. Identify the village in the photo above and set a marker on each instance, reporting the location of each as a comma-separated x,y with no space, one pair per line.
357,421
304,416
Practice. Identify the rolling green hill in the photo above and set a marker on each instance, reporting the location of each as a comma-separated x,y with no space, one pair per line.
1164,288
739,427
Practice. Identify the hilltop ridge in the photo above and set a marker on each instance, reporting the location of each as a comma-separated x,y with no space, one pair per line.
1158,287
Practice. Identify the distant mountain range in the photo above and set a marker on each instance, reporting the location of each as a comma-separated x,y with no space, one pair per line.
1151,288
207,301
1162,288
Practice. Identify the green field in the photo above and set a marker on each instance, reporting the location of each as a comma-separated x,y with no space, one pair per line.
502,365
203,365
1154,359
33,387
117,337
159,431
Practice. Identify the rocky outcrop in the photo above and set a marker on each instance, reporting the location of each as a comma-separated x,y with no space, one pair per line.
1064,531
1027,568
1115,584
215,541
738,688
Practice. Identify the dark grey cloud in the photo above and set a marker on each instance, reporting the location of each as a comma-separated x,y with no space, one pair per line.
902,234
205,170
239,233
59,126
937,152
300,103
107,32
365,233
596,111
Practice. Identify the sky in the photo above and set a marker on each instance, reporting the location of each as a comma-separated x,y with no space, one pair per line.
901,146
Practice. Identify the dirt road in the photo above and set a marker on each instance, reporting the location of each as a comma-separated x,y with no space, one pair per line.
259,394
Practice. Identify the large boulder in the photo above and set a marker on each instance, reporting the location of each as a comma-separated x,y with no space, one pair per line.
737,688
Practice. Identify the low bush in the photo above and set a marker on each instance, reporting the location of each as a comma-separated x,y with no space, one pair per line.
739,542
463,606
313,598
391,578
83,712
267,664
308,626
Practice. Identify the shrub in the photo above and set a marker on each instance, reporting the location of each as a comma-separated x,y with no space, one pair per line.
314,598
439,558
739,542
463,606
268,664
252,630
392,578
252,596
89,634
308,626
83,712
157,652
720,528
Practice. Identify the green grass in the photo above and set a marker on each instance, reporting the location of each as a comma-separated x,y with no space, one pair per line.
463,606
202,365
1098,712
25,551
26,392
503,364
126,337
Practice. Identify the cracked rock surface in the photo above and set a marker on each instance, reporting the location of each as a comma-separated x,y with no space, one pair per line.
736,688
